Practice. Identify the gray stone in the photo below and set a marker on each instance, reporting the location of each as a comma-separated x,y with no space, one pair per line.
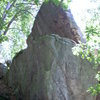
48,70
2,66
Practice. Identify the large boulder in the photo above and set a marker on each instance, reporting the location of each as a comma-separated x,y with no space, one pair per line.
48,70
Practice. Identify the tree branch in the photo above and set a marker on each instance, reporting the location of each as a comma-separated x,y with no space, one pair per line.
8,7
25,3
7,28
10,23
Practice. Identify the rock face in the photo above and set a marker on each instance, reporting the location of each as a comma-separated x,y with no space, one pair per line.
5,91
52,19
1,70
48,70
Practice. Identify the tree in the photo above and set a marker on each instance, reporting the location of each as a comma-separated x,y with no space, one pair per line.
15,23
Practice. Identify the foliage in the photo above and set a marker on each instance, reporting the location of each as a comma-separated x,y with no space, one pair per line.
95,89
15,23
60,3
91,49
3,38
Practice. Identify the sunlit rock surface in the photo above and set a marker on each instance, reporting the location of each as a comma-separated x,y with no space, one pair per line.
48,70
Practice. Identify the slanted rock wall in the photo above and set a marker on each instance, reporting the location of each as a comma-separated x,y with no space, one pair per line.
48,70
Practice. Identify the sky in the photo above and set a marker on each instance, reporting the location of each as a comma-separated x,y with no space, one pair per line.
79,10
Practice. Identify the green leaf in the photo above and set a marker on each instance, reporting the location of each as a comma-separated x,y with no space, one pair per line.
3,38
36,2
